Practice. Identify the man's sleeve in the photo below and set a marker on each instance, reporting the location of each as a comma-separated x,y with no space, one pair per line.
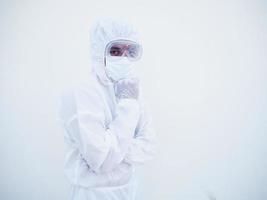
144,146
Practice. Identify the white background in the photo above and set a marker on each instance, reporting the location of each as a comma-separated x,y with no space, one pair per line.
204,74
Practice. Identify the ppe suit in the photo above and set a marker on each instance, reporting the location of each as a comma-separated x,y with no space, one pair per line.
106,137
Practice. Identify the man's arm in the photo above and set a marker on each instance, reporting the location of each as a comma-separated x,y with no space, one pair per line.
85,122
144,145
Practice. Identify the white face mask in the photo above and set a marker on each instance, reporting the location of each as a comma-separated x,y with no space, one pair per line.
118,68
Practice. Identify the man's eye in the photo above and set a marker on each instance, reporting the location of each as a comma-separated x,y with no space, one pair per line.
114,53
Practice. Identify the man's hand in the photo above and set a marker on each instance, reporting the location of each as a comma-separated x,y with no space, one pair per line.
127,88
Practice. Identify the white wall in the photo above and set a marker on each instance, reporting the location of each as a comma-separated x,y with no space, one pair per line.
204,73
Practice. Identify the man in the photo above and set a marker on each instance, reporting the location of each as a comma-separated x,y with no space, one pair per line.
107,129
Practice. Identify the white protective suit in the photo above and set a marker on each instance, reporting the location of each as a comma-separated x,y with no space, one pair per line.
106,137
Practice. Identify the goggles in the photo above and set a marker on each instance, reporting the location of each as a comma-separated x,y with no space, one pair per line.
120,48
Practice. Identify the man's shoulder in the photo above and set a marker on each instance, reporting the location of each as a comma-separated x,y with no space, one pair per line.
87,86
80,94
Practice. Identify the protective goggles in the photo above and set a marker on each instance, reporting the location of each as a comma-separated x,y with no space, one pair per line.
121,48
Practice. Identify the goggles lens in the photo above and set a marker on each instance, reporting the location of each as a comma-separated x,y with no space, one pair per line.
121,48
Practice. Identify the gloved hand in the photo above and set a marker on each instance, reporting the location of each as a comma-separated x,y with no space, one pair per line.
127,88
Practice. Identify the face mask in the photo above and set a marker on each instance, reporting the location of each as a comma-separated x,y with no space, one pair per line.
118,67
